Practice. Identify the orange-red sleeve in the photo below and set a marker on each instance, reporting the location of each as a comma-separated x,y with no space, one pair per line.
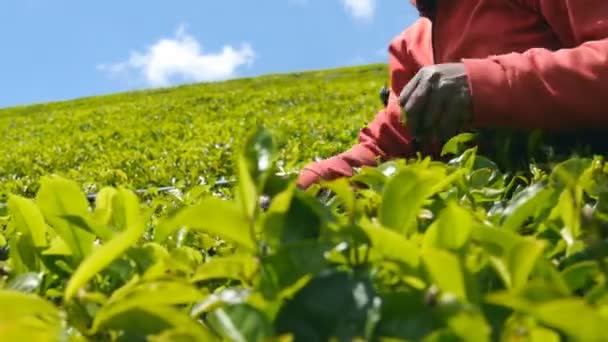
558,90
384,138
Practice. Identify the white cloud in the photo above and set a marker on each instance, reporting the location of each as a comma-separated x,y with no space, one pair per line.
182,58
360,9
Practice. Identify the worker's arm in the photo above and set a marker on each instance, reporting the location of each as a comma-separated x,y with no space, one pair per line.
551,90
384,138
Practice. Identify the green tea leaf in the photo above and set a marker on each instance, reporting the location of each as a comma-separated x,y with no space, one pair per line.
241,323
404,196
29,219
294,216
229,296
573,317
343,191
525,204
568,172
451,230
513,256
446,271
407,315
23,254
392,245
103,205
90,226
17,304
290,264
140,322
254,164
155,294
58,247
466,322
372,177
175,335
186,258
28,316
151,260
522,259
544,335
58,198
497,242
235,267
580,274
214,216
107,253
334,304
457,144
569,207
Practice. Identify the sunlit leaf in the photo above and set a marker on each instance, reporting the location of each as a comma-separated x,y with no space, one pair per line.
23,254
254,163
110,251
404,196
233,267
573,317
144,296
568,172
57,247
392,245
446,271
451,230
58,198
580,274
569,208
525,204
214,216
29,219
28,316
343,191
241,323
457,144
522,259
103,205
293,217
139,322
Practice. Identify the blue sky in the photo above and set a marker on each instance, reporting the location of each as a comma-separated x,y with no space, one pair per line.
64,49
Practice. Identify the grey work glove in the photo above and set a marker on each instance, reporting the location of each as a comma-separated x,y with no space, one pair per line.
437,101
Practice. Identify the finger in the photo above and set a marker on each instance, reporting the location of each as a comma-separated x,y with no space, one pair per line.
433,112
451,121
415,107
406,92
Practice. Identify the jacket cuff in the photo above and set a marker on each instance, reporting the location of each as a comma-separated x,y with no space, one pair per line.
491,93
327,169
307,177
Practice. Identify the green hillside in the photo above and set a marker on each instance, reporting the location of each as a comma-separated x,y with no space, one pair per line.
180,135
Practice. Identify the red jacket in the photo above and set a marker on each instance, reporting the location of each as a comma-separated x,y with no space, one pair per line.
532,64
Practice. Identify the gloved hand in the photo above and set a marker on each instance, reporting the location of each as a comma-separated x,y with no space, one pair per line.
437,101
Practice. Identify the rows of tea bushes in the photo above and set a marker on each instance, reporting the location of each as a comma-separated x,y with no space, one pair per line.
184,136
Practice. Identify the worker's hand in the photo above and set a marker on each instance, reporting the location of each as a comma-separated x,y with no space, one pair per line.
437,101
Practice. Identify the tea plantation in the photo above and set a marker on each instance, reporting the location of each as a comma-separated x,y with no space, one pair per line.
412,250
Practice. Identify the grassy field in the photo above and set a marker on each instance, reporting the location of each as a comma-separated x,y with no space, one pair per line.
184,136
411,250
